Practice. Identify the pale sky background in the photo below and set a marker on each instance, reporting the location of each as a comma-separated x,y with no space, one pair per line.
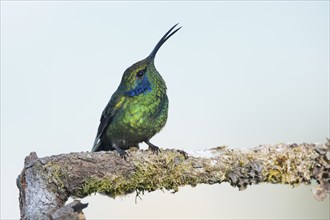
238,74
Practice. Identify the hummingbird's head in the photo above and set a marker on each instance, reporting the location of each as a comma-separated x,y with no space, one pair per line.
142,76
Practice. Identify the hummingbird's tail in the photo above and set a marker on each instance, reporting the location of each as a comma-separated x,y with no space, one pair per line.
102,146
96,146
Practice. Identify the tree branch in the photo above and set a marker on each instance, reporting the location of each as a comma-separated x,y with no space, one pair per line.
46,183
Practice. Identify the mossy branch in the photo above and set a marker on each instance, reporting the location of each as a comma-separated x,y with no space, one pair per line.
46,183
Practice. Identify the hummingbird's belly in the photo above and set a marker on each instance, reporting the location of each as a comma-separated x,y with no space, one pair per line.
138,122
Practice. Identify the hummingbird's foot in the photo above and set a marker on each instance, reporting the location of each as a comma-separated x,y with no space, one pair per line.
121,152
153,147
185,155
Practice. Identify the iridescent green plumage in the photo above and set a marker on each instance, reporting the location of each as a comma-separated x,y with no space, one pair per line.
138,108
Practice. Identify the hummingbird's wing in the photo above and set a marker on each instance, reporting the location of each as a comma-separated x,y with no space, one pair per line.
110,110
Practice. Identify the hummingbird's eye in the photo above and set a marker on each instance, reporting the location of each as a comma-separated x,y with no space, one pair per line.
140,73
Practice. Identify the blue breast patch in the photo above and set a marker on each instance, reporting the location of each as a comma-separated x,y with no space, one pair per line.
142,87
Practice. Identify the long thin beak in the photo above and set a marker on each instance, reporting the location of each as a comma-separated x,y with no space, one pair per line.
162,41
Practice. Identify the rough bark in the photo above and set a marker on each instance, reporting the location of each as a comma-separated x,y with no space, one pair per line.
46,183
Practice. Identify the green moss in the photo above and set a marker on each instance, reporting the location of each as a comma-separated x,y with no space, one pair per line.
167,171
55,176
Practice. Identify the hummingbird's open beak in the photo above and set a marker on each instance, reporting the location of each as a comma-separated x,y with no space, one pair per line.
162,40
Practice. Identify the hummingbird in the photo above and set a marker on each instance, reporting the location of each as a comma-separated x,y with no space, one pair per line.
138,109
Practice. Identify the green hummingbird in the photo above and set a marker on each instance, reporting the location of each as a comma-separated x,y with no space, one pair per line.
138,108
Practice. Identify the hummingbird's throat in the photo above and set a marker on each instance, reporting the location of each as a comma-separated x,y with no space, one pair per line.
143,86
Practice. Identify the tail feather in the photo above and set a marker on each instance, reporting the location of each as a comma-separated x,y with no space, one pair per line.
102,146
96,146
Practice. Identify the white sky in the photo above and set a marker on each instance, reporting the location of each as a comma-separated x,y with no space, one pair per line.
238,74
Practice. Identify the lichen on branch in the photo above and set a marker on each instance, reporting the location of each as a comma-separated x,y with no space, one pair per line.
77,175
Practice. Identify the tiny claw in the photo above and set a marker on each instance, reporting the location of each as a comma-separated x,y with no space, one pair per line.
153,147
122,153
185,155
